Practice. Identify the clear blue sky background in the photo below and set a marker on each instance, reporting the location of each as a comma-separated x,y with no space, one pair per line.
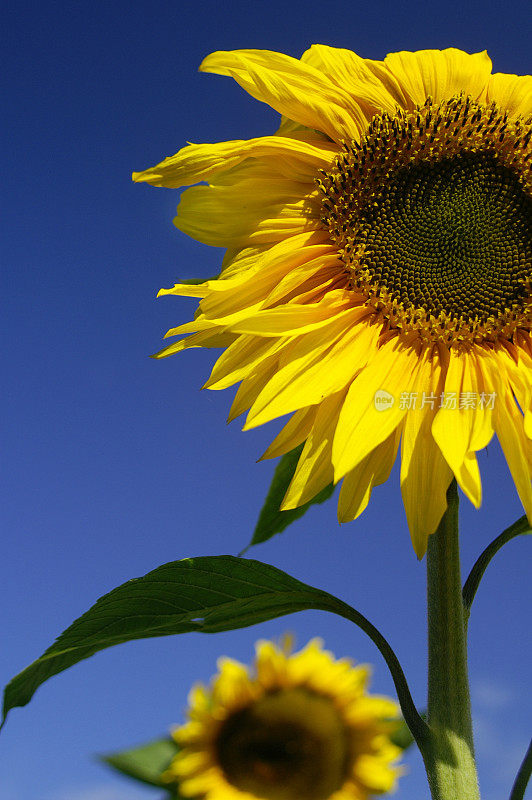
115,463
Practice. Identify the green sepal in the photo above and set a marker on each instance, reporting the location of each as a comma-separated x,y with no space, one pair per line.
145,763
401,735
271,519
197,281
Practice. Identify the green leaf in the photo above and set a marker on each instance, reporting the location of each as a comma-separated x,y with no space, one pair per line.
204,594
145,763
471,585
207,594
271,520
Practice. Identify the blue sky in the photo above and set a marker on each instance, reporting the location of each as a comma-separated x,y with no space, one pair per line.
115,463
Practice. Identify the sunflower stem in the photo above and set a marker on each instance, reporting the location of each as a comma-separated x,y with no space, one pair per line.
448,751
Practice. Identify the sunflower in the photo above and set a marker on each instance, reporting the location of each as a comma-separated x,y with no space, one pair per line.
377,279
296,727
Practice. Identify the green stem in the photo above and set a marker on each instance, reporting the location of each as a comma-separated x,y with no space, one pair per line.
523,776
522,526
448,750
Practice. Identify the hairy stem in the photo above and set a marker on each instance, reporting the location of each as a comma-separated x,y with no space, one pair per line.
448,750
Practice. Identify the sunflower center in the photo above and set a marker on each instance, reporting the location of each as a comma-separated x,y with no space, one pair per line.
288,745
432,216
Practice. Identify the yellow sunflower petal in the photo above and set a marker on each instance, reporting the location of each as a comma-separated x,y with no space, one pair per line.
225,216
240,359
309,276
259,274
425,477
314,469
373,470
231,686
270,664
482,428
369,771
294,432
297,90
511,92
460,428
372,709
440,74
316,366
509,427
393,370
208,338
520,376
251,386
290,320
372,84
296,158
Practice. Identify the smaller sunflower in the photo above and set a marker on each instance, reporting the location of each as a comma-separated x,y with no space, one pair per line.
294,727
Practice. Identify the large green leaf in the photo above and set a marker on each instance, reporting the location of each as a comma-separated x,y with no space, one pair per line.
202,594
145,763
271,519
207,594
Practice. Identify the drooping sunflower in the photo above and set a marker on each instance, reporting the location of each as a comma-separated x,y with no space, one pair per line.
377,280
295,727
